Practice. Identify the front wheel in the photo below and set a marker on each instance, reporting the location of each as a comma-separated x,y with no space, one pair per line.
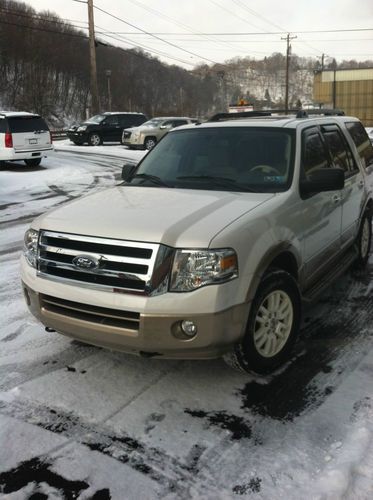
33,162
364,240
272,327
150,142
94,140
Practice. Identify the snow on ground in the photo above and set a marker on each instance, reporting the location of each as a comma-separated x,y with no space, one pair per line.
81,422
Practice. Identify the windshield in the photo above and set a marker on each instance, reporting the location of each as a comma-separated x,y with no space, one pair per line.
224,159
96,119
154,122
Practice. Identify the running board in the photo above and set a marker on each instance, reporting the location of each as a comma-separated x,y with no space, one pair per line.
315,290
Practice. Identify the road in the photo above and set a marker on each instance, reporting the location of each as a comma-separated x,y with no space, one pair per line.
81,422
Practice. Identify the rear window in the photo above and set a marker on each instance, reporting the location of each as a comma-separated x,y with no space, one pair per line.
362,142
26,124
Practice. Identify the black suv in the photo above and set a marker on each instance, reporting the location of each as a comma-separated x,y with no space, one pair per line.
105,127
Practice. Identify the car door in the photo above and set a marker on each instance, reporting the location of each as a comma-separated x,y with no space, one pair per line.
353,192
321,213
111,130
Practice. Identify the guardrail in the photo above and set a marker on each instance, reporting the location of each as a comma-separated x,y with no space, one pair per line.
58,134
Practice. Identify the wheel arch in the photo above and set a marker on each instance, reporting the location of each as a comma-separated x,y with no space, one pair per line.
283,256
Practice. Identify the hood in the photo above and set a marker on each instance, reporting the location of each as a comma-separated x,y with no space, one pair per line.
175,217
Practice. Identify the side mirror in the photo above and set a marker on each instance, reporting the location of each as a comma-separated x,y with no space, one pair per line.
323,179
164,127
127,171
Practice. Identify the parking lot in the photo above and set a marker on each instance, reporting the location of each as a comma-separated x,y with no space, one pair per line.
81,422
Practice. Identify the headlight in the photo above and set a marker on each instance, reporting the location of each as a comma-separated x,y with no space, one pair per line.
82,128
196,268
30,246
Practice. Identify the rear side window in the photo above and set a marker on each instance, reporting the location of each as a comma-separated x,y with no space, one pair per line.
362,142
3,125
26,124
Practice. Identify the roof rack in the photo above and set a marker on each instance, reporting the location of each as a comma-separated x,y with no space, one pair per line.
299,113
241,114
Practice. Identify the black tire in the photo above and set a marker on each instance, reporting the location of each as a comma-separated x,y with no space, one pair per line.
33,162
364,241
94,139
280,331
78,143
150,142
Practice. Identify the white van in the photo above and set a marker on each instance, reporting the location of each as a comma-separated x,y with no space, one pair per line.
23,136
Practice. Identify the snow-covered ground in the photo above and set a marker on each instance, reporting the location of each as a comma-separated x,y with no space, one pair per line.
81,422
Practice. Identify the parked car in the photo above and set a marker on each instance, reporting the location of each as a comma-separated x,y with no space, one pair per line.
212,242
105,127
24,136
149,133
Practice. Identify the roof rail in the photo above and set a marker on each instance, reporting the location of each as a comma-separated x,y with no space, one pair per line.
241,114
299,113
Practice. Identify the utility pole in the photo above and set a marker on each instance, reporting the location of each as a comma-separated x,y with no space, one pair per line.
92,53
288,49
108,75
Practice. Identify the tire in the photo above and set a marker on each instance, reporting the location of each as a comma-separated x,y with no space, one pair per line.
77,143
272,327
364,241
94,139
150,142
33,162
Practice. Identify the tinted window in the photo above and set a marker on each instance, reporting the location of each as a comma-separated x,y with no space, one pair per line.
178,123
111,120
313,152
26,124
3,125
339,151
222,159
362,142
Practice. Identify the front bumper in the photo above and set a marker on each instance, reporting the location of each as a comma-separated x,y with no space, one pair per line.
77,136
153,328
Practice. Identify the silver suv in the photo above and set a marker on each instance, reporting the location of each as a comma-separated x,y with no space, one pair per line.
212,242
149,133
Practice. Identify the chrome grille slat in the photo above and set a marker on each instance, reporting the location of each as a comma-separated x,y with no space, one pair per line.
119,265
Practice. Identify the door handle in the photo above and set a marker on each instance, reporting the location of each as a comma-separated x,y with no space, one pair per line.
336,198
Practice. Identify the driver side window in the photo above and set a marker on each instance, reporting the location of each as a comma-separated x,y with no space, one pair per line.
314,155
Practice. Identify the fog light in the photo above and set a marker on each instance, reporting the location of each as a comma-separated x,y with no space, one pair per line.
189,327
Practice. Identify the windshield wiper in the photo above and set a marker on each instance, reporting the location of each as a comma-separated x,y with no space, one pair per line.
217,181
152,178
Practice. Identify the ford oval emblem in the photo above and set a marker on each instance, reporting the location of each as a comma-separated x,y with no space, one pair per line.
86,262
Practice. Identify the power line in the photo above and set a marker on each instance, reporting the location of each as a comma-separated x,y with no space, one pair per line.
173,21
35,28
165,41
38,17
244,33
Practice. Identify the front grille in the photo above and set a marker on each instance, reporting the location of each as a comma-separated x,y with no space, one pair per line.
128,320
117,265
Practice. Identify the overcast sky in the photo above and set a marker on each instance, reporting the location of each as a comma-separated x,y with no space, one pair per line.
181,23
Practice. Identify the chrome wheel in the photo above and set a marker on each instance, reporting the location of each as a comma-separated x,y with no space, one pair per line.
150,143
95,140
273,323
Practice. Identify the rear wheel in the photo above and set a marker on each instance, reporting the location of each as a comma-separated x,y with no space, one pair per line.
150,142
364,240
272,327
94,140
33,162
